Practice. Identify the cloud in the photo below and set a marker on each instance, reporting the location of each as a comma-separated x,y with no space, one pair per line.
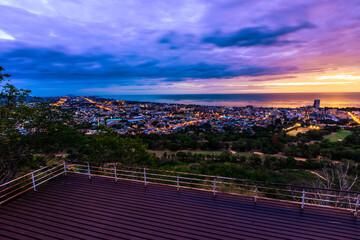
175,40
168,37
307,83
46,64
71,44
273,79
4,35
255,36
344,77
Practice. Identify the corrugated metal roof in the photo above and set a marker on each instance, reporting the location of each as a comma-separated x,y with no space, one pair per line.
73,207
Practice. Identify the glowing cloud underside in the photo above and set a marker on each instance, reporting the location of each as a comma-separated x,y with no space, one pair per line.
345,77
306,83
4,35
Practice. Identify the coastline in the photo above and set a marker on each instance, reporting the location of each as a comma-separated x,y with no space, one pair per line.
266,100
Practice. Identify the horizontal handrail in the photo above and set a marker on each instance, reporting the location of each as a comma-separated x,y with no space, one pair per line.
15,195
24,180
258,189
43,168
49,178
37,180
20,185
47,171
9,182
15,190
228,178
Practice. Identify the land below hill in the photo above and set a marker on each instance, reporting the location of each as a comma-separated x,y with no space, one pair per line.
338,135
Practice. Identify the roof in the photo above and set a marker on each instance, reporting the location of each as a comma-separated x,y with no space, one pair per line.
73,207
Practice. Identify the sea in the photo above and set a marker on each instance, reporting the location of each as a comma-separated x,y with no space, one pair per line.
257,100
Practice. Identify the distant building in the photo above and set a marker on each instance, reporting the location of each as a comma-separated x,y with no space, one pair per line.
316,103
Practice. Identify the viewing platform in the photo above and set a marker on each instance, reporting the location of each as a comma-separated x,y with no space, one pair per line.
77,206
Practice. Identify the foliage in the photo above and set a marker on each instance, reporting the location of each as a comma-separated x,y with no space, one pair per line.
13,111
29,134
109,147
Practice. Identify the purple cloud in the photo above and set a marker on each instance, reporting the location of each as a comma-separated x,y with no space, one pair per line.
255,36
145,43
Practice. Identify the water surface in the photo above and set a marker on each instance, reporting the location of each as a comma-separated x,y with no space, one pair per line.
257,100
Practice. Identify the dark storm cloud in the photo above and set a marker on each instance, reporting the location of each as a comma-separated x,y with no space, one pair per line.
175,40
44,64
254,36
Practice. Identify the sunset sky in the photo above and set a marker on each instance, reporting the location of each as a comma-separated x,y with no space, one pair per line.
109,47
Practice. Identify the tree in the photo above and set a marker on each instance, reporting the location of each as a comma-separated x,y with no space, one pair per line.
12,102
336,177
254,160
108,147
23,128
225,156
13,114
214,142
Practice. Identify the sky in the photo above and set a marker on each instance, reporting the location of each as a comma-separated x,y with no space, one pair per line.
111,47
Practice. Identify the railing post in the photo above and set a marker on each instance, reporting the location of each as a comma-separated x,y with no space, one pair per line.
64,167
88,166
145,177
214,190
303,199
178,183
115,174
33,181
256,190
357,205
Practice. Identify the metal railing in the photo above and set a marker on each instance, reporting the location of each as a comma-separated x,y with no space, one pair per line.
32,180
301,195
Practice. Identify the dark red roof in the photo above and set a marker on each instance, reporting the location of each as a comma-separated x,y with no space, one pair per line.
73,207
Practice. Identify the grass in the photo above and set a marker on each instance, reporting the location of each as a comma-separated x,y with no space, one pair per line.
338,136
298,176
